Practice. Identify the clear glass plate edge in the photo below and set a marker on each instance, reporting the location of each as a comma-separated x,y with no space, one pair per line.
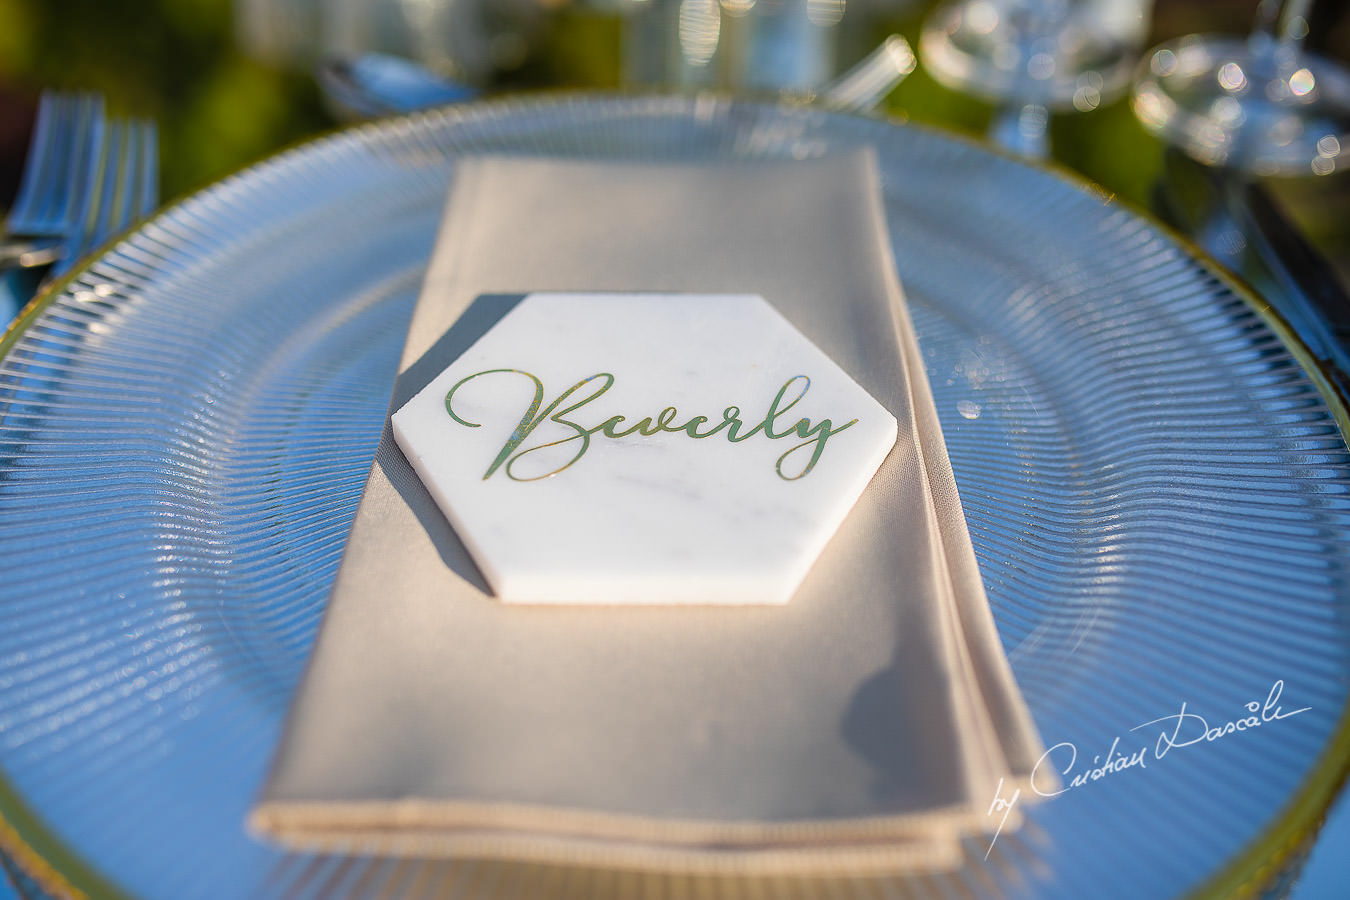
60,871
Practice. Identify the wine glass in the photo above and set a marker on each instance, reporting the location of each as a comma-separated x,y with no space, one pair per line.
1263,105
1034,57
1235,112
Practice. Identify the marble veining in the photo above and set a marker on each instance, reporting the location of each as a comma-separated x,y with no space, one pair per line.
644,449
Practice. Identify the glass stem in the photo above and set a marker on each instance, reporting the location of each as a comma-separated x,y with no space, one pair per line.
1022,129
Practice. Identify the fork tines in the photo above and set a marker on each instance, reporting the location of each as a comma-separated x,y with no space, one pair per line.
67,135
126,178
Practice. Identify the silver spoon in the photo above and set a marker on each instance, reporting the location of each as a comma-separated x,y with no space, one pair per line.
373,84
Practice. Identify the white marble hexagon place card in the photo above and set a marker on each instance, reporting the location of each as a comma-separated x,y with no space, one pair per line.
644,449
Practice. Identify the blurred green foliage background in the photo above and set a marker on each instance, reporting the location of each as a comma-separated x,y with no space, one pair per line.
176,61
181,62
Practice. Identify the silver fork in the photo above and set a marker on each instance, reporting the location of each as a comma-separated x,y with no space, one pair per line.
128,191
66,138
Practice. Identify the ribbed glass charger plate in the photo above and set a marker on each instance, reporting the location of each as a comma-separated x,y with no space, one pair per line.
1156,486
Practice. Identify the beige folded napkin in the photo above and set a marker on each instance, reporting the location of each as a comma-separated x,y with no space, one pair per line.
862,727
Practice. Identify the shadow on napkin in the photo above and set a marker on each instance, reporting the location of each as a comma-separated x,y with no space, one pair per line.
482,314
878,727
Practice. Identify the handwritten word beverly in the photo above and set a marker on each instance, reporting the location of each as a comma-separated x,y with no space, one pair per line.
567,407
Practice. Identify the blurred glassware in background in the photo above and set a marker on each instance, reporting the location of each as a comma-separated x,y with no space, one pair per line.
1264,105
374,84
1236,113
1242,110
467,39
1035,57
756,46
736,44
